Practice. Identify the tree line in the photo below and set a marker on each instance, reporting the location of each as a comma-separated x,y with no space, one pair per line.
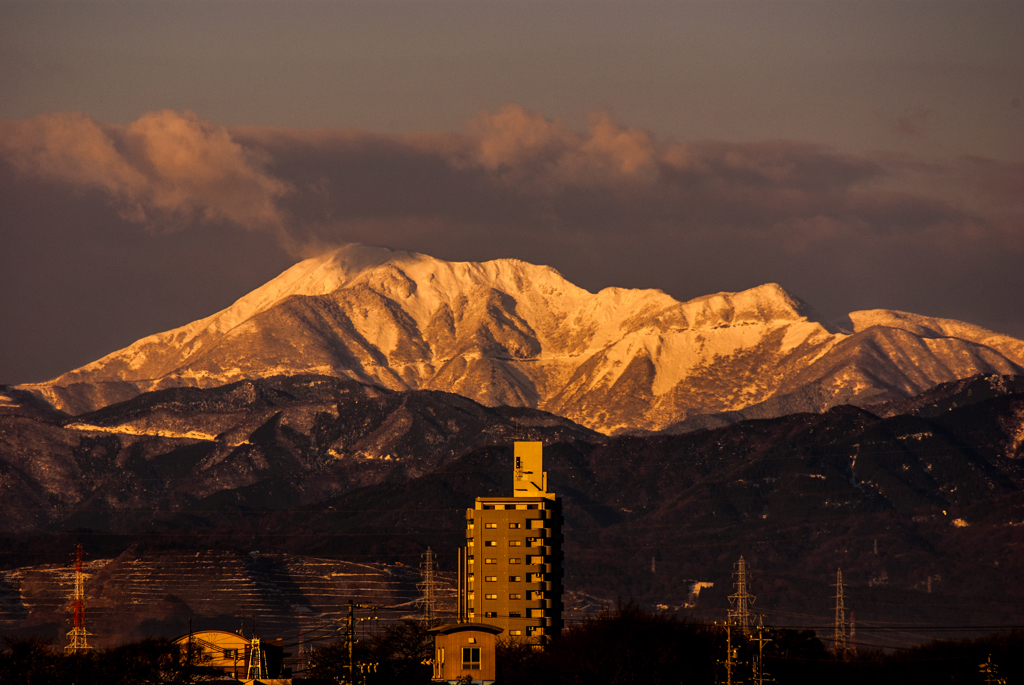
625,646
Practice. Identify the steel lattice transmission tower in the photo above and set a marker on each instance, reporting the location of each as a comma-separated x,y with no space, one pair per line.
840,622
257,661
77,637
740,601
428,588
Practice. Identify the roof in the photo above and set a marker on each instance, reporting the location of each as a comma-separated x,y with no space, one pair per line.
210,634
449,628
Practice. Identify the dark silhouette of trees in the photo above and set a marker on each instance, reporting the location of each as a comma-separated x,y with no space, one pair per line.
625,646
394,656
631,645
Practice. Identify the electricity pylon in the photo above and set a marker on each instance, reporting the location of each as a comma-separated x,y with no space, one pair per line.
740,601
840,622
428,587
77,637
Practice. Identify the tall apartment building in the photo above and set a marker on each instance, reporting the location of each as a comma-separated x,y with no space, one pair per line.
511,576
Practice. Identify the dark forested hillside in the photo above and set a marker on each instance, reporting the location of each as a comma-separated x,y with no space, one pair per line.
922,511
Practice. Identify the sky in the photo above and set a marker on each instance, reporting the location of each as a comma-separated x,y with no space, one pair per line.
161,158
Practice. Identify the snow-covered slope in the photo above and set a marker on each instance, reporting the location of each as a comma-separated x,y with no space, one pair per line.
513,333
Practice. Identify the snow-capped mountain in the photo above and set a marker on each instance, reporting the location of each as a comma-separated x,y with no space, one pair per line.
506,332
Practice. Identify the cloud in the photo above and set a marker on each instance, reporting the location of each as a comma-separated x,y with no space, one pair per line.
512,174
164,164
910,123
606,203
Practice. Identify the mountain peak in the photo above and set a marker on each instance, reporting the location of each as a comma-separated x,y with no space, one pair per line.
507,332
763,304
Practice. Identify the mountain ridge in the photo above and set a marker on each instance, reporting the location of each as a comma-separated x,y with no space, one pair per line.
507,332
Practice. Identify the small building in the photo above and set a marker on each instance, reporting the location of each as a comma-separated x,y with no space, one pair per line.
465,649
230,653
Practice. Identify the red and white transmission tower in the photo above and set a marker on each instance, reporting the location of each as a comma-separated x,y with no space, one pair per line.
77,637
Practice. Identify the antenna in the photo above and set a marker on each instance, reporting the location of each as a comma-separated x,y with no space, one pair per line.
741,600
840,623
77,637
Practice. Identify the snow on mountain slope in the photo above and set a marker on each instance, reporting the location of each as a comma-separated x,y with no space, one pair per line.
508,332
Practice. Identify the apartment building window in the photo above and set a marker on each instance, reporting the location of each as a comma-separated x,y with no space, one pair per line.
490,561
471,658
490,596
491,579
515,579
491,543
515,525
515,632
515,543
514,561
490,525
514,614
515,595
490,614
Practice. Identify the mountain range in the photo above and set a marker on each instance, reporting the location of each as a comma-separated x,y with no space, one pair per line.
920,502
353,407
509,333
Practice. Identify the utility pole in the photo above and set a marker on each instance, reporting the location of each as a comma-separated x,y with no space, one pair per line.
840,621
350,636
851,644
730,654
759,674
77,637
740,600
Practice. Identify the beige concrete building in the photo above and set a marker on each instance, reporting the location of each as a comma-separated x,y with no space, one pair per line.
465,649
512,573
